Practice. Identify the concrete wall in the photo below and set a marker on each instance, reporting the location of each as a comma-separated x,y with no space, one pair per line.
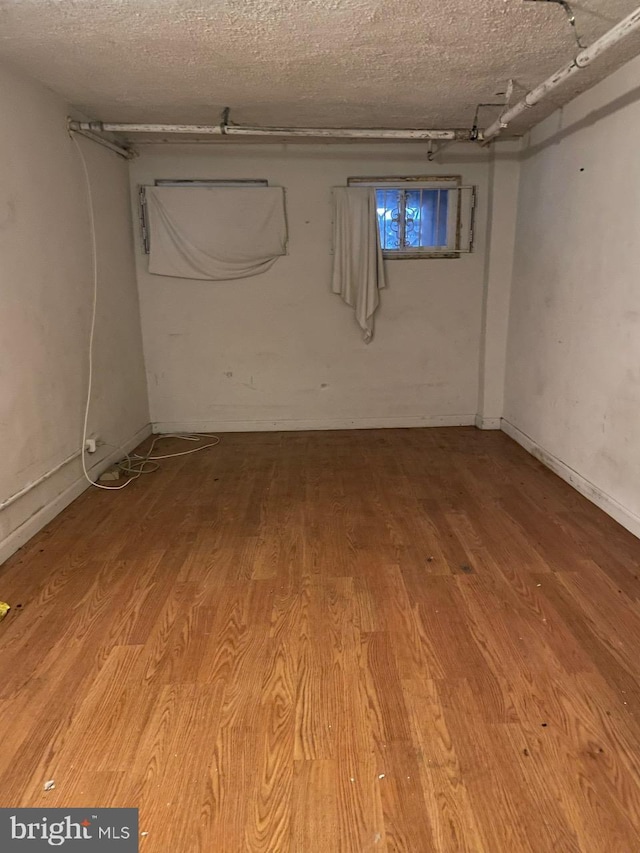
573,366
45,305
280,351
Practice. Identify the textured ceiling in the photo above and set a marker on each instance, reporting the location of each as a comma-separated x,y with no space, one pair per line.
390,63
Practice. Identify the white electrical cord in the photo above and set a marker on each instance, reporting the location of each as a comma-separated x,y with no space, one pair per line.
135,463
191,436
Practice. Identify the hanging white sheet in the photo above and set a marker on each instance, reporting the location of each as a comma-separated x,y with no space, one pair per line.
215,233
358,268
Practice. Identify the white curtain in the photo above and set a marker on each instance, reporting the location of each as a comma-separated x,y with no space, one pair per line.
215,233
358,268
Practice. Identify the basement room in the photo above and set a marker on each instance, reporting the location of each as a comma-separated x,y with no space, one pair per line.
320,400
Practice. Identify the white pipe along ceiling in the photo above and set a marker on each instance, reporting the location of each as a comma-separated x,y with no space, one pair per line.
223,129
584,58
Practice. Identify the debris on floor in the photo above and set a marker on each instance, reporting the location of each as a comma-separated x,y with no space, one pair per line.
50,785
112,473
4,609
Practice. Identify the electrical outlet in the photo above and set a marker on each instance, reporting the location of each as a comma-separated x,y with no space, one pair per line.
91,444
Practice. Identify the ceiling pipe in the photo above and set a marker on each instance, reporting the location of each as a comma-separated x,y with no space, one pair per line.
627,26
203,129
224,129
348,133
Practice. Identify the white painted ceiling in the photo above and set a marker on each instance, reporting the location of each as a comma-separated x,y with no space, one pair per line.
389,63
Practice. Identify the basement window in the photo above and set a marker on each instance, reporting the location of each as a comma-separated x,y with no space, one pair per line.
423,217
181,182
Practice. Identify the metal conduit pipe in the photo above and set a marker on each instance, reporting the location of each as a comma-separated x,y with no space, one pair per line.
204,129
584,58
240,130
348,133
13,498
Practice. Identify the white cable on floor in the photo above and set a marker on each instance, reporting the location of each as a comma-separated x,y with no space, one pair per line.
135,466
191,436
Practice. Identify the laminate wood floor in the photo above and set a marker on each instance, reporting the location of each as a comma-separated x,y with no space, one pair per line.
394,640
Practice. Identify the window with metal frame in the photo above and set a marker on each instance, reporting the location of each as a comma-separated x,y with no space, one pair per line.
423,217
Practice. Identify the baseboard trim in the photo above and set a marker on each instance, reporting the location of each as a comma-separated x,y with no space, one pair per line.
601,499
488,423
313,424
46,513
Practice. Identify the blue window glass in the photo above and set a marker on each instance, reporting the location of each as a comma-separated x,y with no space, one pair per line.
390,213
412,219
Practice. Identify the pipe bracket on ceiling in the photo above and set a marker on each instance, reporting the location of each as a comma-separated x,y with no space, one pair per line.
570,15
